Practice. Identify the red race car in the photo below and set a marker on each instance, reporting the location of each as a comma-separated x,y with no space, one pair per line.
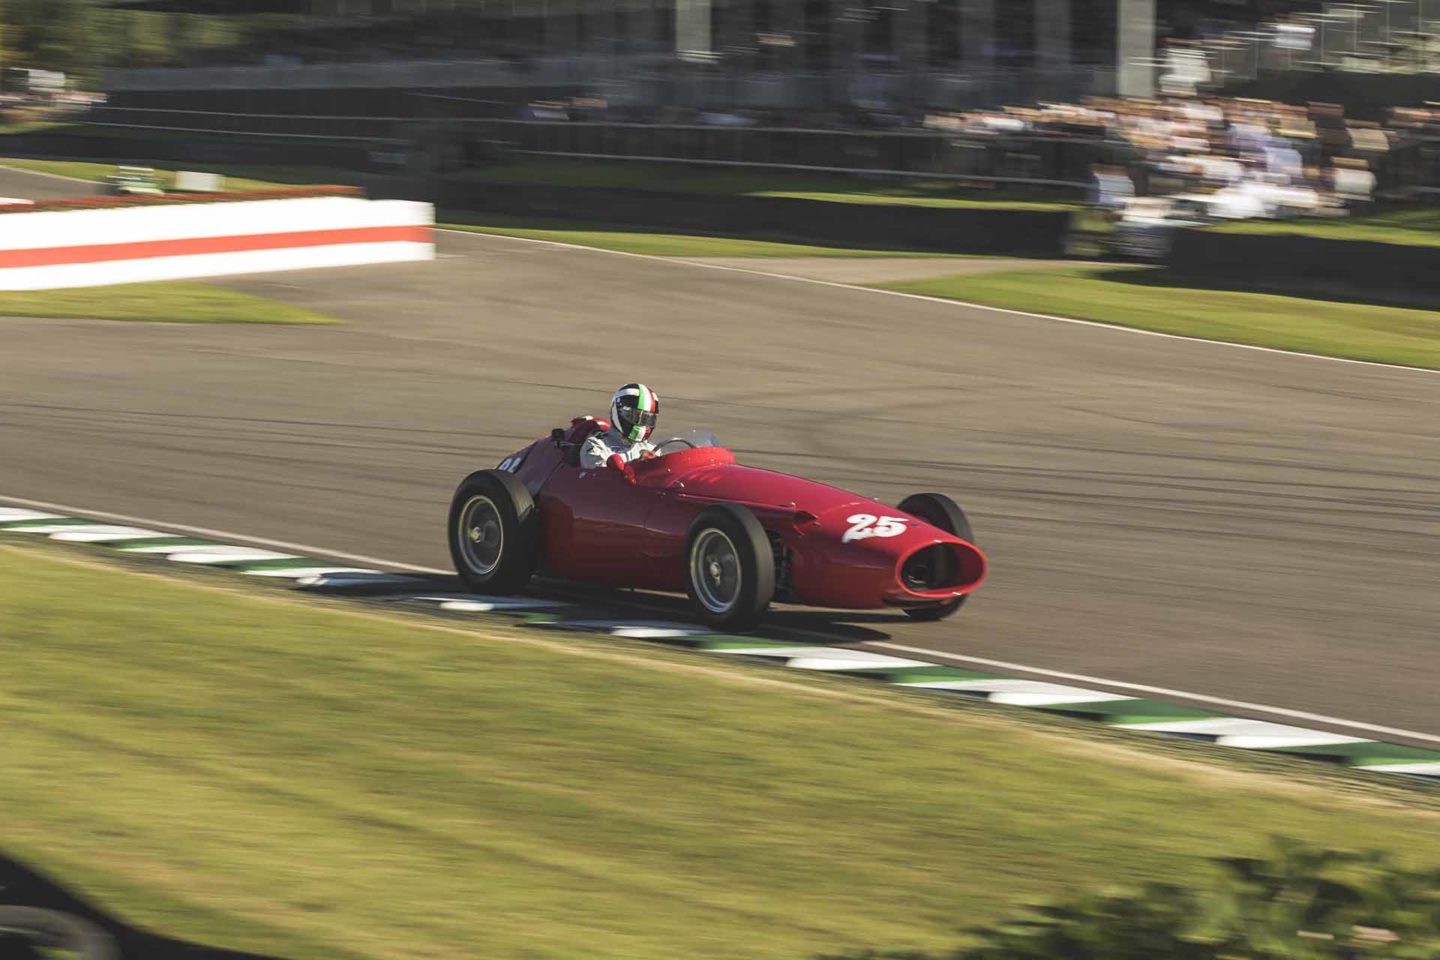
733,537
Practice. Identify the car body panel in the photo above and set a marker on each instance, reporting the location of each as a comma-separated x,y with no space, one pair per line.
837,548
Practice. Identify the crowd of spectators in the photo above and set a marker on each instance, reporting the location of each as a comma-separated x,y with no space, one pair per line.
1262,158
1419,121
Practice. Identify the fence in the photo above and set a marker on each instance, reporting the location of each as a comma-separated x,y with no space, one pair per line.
1042,160
335,127
632,81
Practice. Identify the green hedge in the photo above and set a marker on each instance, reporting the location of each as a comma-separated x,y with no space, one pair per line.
1300,903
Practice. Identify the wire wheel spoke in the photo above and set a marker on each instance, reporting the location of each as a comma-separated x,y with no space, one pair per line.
715,571
481,535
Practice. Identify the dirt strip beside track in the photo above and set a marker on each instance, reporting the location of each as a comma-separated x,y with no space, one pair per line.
1244,524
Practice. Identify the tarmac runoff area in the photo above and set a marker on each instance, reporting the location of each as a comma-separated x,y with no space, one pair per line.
1254,527
22,185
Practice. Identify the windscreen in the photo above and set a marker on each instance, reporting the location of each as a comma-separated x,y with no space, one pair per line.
689,440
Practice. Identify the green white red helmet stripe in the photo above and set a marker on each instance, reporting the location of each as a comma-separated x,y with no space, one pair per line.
644,402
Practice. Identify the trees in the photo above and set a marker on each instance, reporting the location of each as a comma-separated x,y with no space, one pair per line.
51,35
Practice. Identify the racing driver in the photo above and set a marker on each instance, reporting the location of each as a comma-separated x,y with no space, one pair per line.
633,412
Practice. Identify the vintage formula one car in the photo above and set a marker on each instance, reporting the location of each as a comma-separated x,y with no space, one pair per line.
733,537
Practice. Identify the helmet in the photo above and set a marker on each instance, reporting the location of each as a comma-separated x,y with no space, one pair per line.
633,411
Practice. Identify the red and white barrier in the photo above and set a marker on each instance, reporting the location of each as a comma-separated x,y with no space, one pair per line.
86,248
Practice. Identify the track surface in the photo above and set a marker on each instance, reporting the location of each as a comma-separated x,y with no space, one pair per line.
34,186
1249,525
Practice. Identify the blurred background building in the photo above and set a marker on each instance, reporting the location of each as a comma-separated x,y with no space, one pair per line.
948,52
741,54
1011,90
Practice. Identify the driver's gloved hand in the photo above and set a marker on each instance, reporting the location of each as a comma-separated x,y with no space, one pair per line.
618,462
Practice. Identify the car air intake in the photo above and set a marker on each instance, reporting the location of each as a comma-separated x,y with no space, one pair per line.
942,566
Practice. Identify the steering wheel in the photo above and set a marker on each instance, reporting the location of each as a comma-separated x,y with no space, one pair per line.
676,440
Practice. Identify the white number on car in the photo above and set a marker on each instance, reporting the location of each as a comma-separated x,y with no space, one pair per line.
863,526
511,464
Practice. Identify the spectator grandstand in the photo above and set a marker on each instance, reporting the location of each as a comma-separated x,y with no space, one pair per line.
903,87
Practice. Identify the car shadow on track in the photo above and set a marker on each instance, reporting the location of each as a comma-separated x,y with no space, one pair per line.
833,626
781,622
39,916
593,602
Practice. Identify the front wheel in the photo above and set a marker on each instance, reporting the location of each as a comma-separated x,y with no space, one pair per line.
940,511
494,532
730,568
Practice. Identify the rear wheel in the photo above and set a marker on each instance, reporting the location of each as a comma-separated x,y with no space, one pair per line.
729,567
494,532
940,511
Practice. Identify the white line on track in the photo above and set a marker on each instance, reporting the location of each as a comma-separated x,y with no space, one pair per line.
1141,688
300,548
932,655
947,302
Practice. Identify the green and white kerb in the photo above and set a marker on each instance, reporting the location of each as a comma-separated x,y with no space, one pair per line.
634,411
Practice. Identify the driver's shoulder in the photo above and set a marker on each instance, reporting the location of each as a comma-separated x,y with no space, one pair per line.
606,436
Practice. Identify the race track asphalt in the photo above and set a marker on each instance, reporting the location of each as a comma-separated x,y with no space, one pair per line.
33,186
1249,525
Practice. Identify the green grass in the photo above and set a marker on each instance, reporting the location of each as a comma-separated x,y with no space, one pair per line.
1146,299
685,178
302,779
97,172
163,302
659,244
15,127
1415,226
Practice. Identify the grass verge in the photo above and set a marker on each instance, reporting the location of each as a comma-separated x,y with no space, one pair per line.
835,187
1414,226
659,243
313,780
1148,299
162,302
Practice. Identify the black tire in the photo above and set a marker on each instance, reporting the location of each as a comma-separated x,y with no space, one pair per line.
731,593
940,511
58,931
494,532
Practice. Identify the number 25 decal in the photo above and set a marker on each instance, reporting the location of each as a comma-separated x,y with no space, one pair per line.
863,526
